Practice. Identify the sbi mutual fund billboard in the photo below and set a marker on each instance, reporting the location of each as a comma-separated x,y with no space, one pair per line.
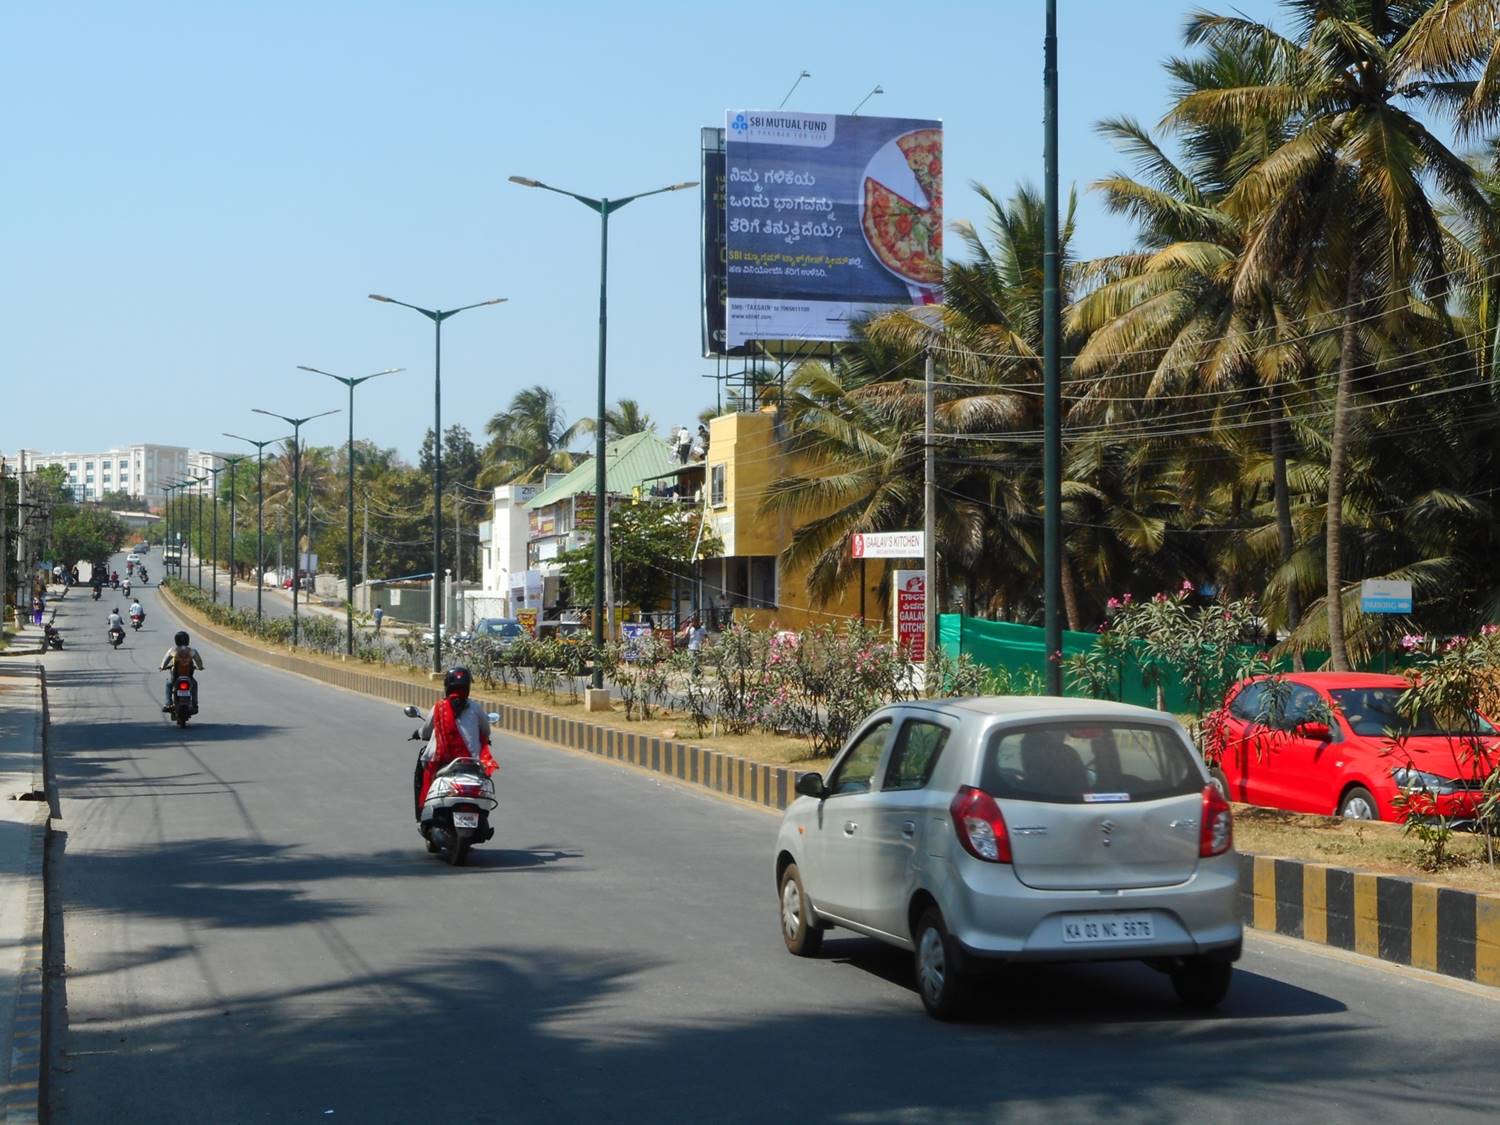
828,218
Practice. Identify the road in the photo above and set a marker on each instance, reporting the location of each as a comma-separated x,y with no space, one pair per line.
253,932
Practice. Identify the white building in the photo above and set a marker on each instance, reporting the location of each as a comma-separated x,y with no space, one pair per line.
137,470
502,541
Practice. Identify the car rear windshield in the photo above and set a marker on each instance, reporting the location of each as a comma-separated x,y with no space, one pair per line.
1378,711
1088,763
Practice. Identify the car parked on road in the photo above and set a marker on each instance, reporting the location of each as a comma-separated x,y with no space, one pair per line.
1336,743
981,831
504,631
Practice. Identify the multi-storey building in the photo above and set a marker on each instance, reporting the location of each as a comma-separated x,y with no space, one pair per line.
139,470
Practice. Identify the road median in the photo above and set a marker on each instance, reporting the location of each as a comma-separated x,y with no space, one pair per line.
1405,921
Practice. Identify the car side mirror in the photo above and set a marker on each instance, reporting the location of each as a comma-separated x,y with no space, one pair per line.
1320,731
411,712
811,785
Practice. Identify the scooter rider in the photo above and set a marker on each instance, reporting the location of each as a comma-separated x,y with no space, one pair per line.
136,610
183,660
116,622
453,730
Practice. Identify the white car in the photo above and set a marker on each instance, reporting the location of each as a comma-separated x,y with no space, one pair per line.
132,558
1013,829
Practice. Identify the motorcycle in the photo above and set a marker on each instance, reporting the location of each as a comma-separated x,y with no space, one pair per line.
456,813
182,701
53,638
96,593
143,576
137,620
125,589
116,635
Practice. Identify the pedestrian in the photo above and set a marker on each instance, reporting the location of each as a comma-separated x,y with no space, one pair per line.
379,615
700,445
36,609
57,574
697,634
684,444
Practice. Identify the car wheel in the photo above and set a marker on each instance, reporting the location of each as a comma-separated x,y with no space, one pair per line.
1202,984
803,936
940,976
1220,782
1359,804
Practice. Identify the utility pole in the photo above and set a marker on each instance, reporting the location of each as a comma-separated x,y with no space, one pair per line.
929,513
458,552
4,585
364,560
23,585
1051,373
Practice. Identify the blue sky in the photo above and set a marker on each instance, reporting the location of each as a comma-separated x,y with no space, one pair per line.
198,196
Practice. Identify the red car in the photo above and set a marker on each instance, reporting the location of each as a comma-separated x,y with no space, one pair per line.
1326,742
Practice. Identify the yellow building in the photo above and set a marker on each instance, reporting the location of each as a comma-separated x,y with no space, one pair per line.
744,457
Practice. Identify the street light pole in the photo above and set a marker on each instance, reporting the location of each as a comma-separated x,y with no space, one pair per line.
351,383
260,515
200,481
604,207
213,507
437,316
296,424
233,464
1051,371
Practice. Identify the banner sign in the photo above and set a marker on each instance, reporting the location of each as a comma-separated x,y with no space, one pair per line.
1378,595
910,588
715,340
583,511
887,545
828,218
526,618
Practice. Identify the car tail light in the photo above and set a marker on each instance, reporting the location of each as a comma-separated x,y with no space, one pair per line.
981,828
1216,830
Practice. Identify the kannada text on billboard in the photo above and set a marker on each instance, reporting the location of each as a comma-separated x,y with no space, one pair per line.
829,218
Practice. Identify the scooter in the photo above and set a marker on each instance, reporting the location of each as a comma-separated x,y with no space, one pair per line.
182,708
137,620
97,593
53,638
125,589
143,576
456,813
116,635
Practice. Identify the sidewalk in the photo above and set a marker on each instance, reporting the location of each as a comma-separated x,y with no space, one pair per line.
23,832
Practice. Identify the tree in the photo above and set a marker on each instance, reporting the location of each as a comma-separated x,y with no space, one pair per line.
621,420
121,501
462,459
651,546
85,532
527,439
1343,210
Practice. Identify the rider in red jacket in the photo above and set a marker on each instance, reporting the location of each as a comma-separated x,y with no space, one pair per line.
454,729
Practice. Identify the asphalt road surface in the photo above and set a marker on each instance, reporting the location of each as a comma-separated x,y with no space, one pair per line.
252,932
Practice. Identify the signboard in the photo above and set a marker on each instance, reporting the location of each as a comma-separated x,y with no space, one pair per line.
633,637
910,588
526,618
828,218
543,524
583,511
715,341
887,545
1378,595
308,561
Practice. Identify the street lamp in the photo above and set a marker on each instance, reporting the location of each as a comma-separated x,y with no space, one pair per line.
351,383
213,505
201,481
166,491
184,516
232,463
260,514
296,424
437,316
601,503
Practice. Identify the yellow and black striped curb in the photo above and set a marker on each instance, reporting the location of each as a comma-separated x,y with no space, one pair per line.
1441,929
718,771
1444,930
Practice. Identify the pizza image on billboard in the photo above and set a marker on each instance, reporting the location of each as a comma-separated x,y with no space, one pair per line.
902,212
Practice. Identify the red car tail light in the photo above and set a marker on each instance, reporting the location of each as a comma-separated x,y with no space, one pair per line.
1216,829
981,828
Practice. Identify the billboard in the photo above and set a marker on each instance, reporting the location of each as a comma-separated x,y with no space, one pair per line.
828,218
910,588
715,340
887,545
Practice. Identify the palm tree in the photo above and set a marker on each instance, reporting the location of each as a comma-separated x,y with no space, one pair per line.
527,439
1342,211
621,420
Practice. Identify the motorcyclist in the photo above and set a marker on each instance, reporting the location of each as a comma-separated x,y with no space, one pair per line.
114,578
126,587
454,730
143,576
136,611
183,659
116,622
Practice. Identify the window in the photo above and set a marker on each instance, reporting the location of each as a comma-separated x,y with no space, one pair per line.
88,465
716,475
857,771
1377,712
1249,702
915,755
1075,763
72,466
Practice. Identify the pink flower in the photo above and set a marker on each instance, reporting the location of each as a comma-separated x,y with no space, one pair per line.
1412,641
1160,598
1187,587
1128,599
1113,603
1489,630
1454,642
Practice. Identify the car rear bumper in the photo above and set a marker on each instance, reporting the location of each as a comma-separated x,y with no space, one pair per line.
995,917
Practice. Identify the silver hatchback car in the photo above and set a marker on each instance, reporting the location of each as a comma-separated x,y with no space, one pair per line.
980,831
